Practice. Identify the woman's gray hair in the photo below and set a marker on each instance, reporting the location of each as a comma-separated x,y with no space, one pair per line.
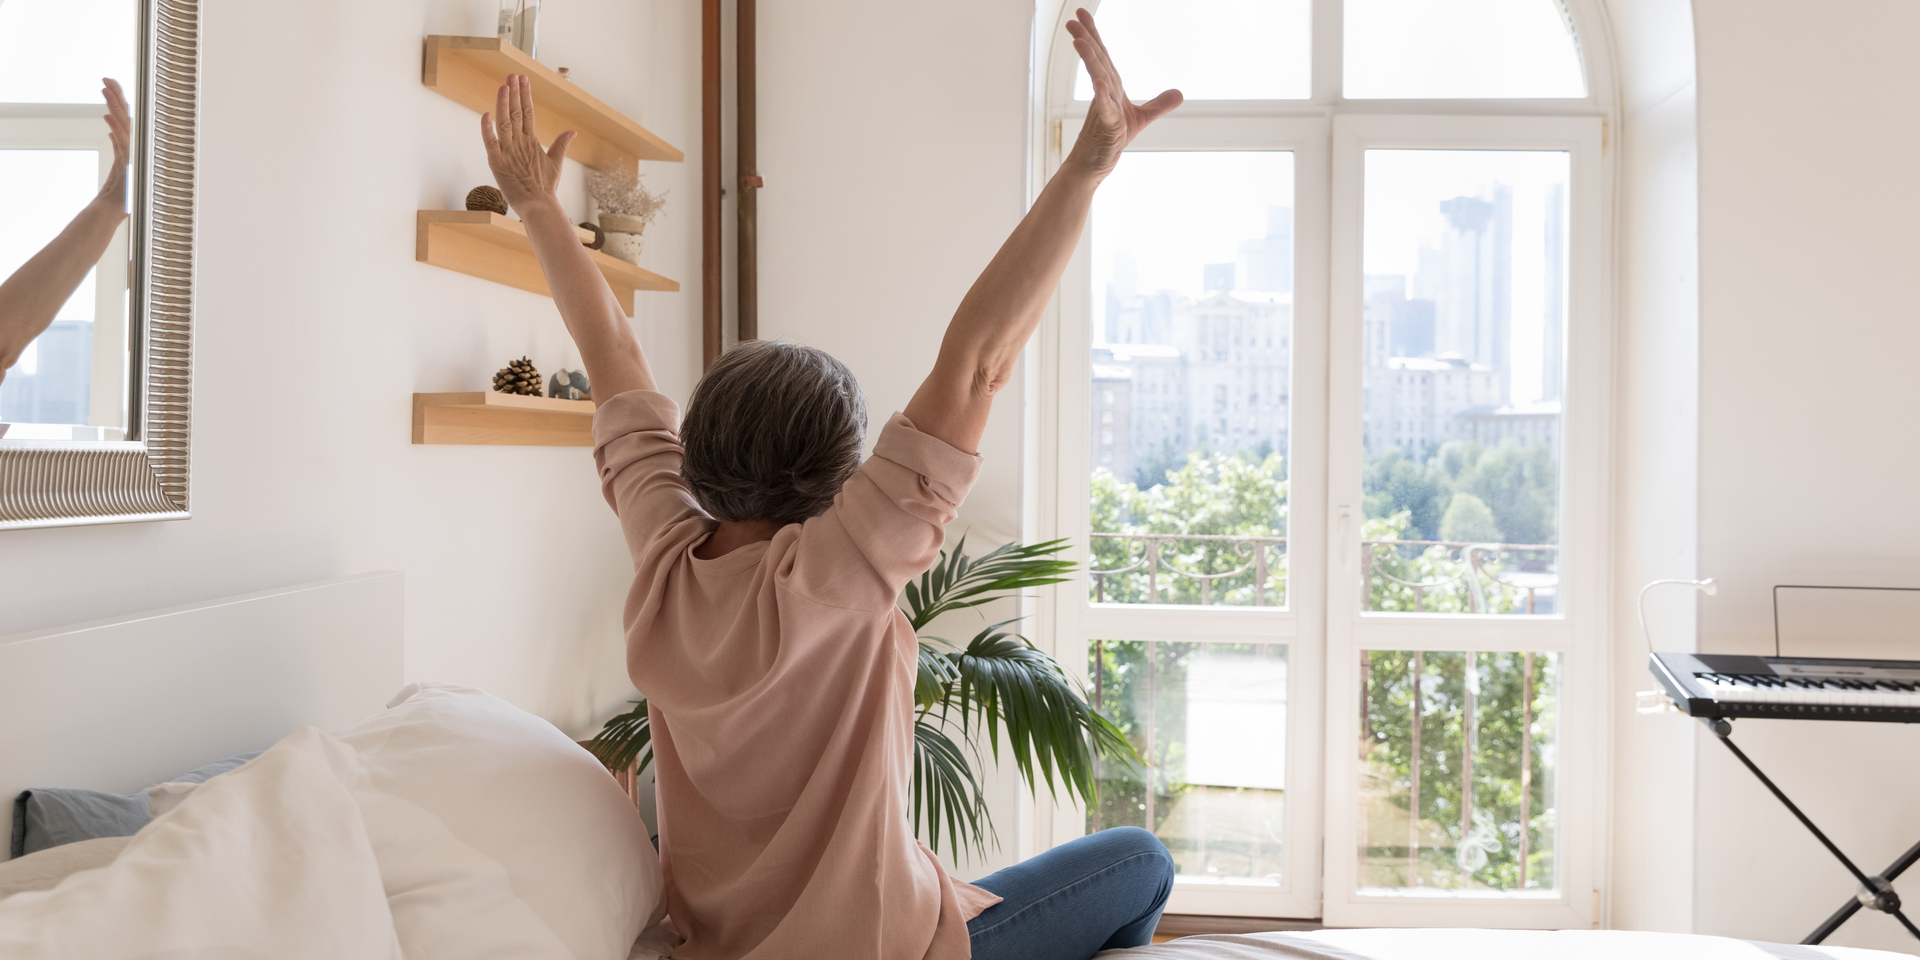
772,432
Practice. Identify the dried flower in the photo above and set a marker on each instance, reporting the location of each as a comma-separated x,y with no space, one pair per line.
624,193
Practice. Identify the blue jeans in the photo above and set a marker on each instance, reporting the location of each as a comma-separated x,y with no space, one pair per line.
1100,892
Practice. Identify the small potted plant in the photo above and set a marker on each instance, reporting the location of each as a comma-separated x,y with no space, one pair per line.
626,207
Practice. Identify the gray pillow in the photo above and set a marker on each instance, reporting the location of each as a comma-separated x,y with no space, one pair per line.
45,817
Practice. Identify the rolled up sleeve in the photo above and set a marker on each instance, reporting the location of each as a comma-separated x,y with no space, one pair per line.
637,452
889,520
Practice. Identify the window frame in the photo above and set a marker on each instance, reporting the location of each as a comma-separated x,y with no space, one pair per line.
1324,632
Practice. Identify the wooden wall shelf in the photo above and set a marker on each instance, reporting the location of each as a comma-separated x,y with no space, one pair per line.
470,70
501,418
484,244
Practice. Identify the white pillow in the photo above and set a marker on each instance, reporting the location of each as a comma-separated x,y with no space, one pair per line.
497,836
270,860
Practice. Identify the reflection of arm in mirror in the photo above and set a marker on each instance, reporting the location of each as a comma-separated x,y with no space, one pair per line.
33,296
529,177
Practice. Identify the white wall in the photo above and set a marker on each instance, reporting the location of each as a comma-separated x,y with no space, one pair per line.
1655,475
315,326
1809,125
893,143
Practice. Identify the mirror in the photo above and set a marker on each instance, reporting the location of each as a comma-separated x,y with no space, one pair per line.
98,104
64,252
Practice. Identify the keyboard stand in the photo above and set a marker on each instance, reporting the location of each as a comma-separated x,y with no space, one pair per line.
1876,892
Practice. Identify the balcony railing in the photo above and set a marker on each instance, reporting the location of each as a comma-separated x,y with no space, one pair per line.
1508,571
1167,563
1413,576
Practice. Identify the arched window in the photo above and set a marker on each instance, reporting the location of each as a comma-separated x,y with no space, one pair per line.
1367,610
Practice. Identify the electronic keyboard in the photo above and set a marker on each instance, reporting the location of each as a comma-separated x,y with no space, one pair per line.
1791,688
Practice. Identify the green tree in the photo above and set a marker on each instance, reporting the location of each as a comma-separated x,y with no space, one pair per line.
1209,495
1469,519
1463,844
1393,483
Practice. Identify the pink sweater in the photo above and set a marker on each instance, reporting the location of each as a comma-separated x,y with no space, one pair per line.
779,679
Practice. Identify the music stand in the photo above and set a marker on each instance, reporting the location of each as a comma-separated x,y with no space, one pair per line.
1876,892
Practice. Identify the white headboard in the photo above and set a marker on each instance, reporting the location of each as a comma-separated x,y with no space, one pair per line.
123,703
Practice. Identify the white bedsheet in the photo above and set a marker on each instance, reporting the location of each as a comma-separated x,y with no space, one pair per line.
269,861
1481,945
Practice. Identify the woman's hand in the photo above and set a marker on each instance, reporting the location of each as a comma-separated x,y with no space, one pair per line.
1112,120
526,173
113,193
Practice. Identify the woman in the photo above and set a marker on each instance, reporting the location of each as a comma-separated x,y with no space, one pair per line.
33,296
762,627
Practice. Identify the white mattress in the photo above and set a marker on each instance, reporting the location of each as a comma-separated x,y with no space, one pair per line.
1482,945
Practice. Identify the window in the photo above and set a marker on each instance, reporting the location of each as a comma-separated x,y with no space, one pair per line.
1327,376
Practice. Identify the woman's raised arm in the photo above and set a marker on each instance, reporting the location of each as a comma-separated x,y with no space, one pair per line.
529,177
999,313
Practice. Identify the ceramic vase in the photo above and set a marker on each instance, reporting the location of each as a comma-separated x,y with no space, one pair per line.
623,236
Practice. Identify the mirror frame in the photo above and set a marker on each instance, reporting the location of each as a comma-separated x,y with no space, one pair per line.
144,477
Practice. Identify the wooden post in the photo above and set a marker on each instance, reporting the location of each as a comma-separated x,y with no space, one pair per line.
710,188
745,143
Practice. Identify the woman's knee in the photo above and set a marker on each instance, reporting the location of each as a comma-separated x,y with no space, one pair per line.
1139,847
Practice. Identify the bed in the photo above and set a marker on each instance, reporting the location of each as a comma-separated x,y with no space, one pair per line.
424,820
1481,945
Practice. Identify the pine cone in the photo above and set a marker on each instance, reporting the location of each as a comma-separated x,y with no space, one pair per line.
518,377
487,198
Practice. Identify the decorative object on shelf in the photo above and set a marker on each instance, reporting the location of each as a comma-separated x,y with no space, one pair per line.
997,681
569,385
520,24
518,377
599,236
565,74
487,198
626,207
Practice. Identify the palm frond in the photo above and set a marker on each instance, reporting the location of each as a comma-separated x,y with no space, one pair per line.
1006,681
935,674
946,796
625,740
959,581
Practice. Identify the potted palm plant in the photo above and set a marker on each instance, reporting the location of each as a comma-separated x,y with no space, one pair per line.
966,696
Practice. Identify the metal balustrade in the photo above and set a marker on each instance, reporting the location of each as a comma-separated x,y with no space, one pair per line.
1167,561
1153,562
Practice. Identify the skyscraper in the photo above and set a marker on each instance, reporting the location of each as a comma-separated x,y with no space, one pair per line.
1473,288
1552,335
1266,264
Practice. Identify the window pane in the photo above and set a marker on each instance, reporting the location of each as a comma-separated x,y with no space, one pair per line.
1460,48
1209,49
1211,721
56,51
1467,741
41,190
1463,348
1191,389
